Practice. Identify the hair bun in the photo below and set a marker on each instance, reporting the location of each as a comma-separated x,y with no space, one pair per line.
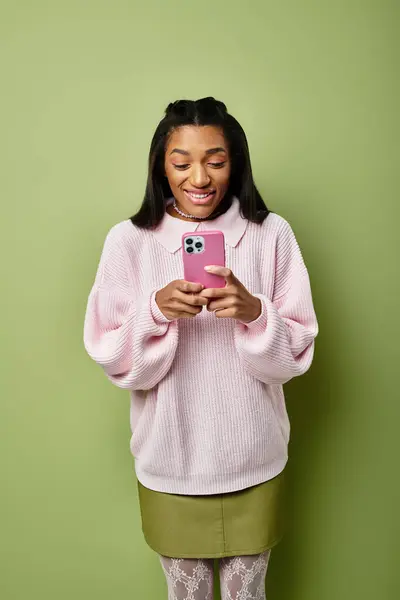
212,105
179,108
206,106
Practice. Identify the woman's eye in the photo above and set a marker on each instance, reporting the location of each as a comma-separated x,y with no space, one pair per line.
217,165
181,167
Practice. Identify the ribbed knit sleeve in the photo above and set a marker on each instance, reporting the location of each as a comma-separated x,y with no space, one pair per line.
123,332
279,345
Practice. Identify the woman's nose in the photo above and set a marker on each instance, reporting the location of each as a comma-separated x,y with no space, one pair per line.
199,176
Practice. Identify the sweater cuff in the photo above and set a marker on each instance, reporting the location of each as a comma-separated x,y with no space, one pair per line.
158,316
258,325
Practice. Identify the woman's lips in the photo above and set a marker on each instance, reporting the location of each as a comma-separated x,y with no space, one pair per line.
199,198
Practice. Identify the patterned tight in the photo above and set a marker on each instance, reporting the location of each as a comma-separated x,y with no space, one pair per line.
241,577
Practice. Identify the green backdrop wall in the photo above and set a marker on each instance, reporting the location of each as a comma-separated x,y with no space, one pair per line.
83,86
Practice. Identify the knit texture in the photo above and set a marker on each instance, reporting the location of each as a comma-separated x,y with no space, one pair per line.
207,410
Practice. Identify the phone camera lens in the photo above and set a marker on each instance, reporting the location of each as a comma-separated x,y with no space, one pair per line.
189,241
190,249
198,244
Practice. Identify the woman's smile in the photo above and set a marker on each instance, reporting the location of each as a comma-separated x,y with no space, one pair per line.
199,198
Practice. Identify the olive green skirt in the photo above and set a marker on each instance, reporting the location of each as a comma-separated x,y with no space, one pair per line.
239,523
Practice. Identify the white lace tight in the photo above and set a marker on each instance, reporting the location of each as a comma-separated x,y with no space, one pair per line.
241,577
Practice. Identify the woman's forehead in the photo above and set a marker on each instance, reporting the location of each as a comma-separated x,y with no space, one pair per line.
192,137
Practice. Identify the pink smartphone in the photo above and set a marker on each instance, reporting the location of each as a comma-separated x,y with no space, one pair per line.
201,250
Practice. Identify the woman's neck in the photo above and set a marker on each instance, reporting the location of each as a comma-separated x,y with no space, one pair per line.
224,205
172,212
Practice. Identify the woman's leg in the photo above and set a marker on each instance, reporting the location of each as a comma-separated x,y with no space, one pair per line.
244,577
188,579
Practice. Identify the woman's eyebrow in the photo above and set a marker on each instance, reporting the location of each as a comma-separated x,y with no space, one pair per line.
179,151
215,150
208,152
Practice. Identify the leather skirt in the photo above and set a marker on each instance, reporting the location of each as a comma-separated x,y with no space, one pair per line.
240,523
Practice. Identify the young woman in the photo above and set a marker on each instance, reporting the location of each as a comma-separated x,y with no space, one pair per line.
205,367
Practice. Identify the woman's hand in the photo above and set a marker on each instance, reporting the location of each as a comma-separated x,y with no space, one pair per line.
180,300
232,301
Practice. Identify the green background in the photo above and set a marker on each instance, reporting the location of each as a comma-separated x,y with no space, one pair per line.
84,84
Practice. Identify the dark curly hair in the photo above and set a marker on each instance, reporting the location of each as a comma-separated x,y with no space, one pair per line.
206,111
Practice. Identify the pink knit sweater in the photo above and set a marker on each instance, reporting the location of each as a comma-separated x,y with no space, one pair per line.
207,410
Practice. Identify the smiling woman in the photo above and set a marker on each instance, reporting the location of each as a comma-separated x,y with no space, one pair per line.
205,367
199,156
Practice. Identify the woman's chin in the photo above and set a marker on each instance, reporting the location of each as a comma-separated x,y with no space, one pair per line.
199,210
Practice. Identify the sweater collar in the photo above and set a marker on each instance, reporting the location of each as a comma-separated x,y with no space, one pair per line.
170,231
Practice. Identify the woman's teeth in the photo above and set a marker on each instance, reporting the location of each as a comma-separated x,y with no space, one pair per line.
199,196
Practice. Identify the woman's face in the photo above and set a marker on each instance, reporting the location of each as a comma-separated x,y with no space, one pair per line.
197,166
